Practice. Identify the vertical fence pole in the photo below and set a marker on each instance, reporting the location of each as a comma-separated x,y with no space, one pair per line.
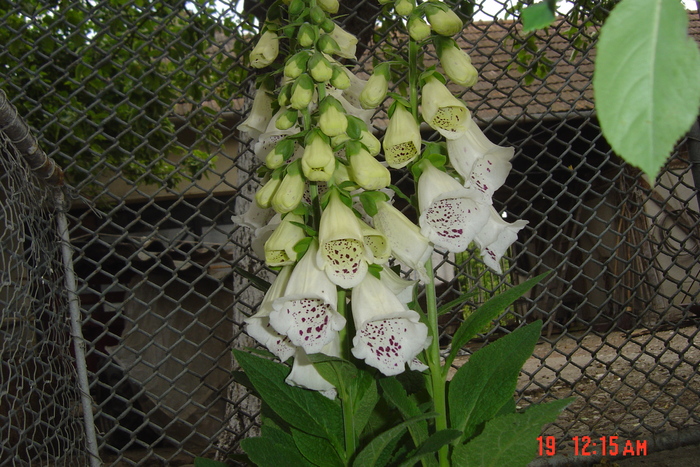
77,333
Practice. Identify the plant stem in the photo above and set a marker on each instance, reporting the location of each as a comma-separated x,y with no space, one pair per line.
413,76
437,379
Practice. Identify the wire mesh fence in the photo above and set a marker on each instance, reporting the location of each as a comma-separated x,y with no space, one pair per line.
139,102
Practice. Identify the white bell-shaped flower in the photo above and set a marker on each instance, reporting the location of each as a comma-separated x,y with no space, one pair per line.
450,215
307,312
305,375
388,335
496,237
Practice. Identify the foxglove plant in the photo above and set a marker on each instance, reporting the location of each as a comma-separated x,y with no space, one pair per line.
350,323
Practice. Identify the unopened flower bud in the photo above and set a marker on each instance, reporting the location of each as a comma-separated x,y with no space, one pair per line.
328,45
265,51
373,145
308,34
456,63
333,121
404,7
296,7
340,79
317,15
290,191
376,88
331,6
418,29
264,195
282,152
302,92
296,65
318,160
319,68
328,25
287,119
365,170
443,20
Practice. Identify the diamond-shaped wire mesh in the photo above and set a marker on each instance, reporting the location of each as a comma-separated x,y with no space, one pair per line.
139,101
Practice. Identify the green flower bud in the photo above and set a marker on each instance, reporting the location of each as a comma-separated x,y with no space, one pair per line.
443,20
365,170
317,15
340,79
318,160
308,34
296,65
319,68
404,7
282,152
418,29
284,95
333,121
290,191
287,120
328,25
456,63
328,45
265,51
296,7
373,145
264,195
302,92
331,6
376,88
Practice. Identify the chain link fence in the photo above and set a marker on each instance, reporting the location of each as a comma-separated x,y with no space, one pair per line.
139,102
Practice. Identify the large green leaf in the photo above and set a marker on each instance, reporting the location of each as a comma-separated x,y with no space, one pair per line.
487,313
316,450
508,440
395,394
487,381
375,449
646,85
273,448
306,410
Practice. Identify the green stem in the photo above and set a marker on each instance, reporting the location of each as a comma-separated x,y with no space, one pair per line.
345,399
437,380
413,76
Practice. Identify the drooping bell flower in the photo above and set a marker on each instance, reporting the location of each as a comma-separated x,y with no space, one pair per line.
347,43
402,288
305,375
376,88
388,335
258,326
407,244
307,312
402,140
456,62
265,51
341,250
450,215
260,113
289,193
365,170
495,238
318,160
443,111
443,20
279,248
470,146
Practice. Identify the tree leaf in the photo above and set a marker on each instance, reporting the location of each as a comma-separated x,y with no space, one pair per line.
306,410
537,16
487,381
646,85
509,440
487,313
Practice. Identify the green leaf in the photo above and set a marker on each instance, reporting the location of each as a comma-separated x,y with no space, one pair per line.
509,440
432,445
487,381
369,201
537,16
373,451
316,450
273,448
306,410
646,85
486,313
395,394
255,281
204,462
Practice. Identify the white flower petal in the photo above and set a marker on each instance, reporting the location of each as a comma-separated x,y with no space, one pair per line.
305,375
307,313
495,238
464,151
388,335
